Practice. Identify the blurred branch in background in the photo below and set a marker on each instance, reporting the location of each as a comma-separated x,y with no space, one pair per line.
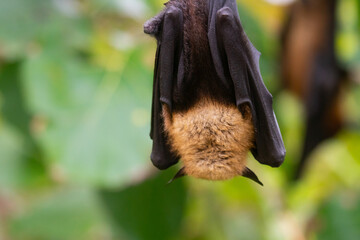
75,97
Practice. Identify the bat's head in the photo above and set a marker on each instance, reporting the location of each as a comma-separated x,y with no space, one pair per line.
212,139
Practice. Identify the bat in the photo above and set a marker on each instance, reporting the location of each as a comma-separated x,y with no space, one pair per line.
311,71
210,106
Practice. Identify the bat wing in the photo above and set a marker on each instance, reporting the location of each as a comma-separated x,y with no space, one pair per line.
167,28
235,58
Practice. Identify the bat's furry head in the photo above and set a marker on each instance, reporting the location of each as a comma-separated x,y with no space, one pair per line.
213,139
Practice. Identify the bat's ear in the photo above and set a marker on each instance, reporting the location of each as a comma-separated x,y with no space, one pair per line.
250,174
179,174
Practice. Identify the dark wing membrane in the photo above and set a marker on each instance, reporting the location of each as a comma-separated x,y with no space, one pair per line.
236,58
166,64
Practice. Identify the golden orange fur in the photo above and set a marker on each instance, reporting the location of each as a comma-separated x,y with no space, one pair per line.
211,138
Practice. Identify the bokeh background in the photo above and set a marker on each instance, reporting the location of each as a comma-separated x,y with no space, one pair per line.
75,99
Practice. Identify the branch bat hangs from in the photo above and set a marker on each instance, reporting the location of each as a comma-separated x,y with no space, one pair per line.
210,105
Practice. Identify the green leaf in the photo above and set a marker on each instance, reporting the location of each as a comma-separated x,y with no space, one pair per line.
340,218
11,157
13,108
20,158
96,123
64,214
150,210
29,25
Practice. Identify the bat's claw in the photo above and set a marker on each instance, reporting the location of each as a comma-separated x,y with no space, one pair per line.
251,175
179,174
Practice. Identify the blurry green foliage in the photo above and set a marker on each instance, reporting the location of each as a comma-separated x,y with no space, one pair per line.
64,214
75,98
348,27
340,217
149,210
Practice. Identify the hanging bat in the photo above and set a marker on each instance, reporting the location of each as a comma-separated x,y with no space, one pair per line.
310,70
210,105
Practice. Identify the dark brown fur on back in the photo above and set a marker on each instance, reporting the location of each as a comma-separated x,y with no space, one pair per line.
201,79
